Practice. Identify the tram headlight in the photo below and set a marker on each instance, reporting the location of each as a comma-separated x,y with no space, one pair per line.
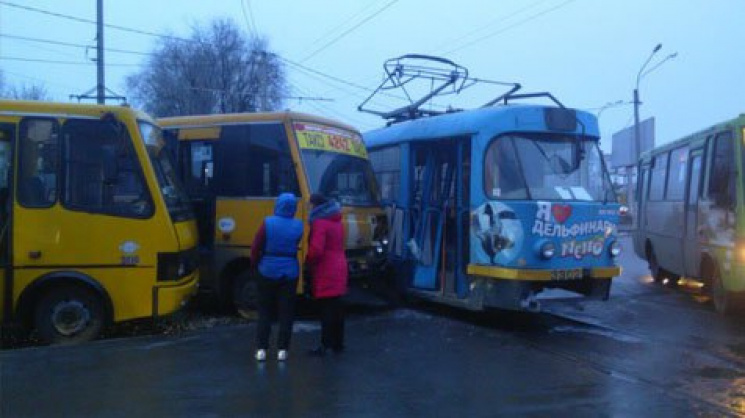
615,249
547,250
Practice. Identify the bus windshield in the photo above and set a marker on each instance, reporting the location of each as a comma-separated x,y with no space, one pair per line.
336,164
546,167
173,193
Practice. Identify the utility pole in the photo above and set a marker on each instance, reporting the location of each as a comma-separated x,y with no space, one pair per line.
100,89
101,83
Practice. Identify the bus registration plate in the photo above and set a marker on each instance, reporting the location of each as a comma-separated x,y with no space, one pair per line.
569,274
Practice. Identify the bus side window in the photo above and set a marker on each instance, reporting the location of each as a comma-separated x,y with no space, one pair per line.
254,160
39,149
658,177
721,187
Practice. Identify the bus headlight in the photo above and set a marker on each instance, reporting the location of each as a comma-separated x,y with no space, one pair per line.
547,250
615,249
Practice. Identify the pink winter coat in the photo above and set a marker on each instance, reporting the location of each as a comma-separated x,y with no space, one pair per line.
326,257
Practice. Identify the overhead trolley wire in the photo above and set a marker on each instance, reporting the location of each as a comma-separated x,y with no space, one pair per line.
350,30
505,29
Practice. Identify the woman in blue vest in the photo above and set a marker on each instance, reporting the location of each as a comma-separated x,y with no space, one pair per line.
275,248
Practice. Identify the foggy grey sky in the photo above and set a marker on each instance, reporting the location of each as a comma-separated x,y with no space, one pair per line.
585,52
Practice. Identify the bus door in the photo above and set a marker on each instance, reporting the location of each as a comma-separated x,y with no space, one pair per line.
692,240
7,133
196,169
436,226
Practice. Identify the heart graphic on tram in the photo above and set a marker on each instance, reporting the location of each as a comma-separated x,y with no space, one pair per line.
561,212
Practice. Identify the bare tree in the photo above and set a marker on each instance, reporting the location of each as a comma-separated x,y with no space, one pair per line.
217,70
23,91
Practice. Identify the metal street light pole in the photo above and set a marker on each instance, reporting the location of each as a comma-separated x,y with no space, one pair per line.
637,129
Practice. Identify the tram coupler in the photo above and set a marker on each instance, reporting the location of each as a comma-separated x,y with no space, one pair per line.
530,303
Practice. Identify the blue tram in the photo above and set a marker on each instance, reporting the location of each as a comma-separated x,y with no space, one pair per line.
491,207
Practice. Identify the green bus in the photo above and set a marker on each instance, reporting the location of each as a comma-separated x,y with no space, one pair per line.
691,199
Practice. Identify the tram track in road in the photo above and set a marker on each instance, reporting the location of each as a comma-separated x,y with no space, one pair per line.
597,328
533,329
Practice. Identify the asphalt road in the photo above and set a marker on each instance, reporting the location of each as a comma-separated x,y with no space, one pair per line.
651,350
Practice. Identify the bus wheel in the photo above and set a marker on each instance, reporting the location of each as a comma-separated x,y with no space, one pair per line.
719,295
245,294
654,267
69,314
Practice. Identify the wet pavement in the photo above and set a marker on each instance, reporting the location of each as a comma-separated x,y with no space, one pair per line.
649,351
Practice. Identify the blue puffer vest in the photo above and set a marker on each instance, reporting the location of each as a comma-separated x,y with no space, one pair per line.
283,234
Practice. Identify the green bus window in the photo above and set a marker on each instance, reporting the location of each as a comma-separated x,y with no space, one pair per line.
721,179
658,177
676,178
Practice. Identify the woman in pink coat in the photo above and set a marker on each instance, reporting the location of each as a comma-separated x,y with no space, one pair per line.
328,266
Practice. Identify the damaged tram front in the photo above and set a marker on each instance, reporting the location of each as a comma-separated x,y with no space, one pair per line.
494,207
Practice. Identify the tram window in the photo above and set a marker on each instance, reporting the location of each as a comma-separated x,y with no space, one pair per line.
721,180
102,172
386,163
658,177
502,173
39,145
254,160
676,178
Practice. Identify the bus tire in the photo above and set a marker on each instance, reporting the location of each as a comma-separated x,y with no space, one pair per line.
245,295
720,297
69,314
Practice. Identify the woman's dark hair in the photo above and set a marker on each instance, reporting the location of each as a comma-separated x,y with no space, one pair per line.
318,199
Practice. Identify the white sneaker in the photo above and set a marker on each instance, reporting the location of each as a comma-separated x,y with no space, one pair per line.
282,355
260,355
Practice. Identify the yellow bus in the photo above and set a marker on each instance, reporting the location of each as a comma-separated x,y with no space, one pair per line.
94,228
233,166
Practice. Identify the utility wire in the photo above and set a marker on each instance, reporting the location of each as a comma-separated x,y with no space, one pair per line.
505,29
493,22
251,15
70,44
82,20
343,23
142,32
245,18
348,31
62,62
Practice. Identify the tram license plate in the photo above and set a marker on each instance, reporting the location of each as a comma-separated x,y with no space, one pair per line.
569,274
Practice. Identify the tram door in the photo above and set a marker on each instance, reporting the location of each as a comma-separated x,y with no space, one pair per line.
440,201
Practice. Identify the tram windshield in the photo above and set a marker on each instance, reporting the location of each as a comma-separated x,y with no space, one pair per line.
546,167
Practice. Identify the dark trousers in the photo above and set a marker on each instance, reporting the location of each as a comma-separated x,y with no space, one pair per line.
332,323
275,295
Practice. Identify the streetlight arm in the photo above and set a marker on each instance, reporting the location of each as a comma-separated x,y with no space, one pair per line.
641,70
669,57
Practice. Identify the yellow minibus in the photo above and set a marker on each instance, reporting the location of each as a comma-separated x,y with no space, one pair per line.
94,226
233,166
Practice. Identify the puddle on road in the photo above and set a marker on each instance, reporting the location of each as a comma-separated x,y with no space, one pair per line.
595,331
